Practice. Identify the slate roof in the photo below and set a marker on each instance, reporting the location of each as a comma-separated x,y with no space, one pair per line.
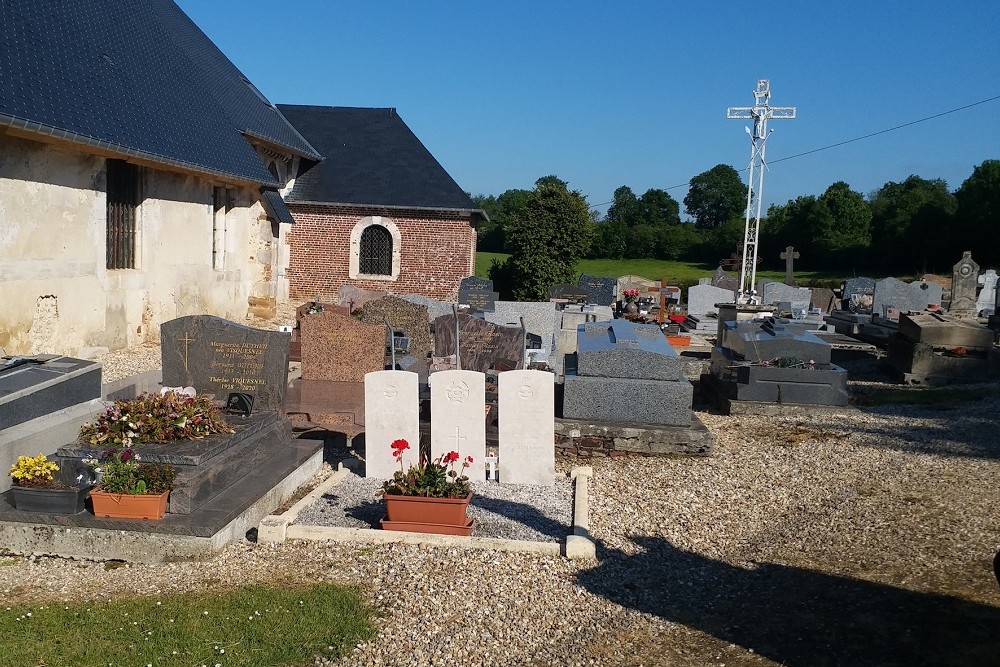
372,159
137,78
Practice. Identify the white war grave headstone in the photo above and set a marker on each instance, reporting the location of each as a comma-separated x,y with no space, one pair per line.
391,412
527,427
458,418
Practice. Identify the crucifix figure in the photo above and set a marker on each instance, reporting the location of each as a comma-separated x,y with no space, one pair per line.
788,255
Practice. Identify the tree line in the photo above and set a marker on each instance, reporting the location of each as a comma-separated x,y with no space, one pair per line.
911,227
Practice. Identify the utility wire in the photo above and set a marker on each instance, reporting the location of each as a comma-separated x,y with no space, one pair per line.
849,141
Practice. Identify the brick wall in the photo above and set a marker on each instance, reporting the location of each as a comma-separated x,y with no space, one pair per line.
437,250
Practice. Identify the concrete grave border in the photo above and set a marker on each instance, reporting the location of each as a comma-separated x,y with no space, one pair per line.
577,546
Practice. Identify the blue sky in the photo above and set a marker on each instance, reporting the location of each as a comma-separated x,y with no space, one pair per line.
604,94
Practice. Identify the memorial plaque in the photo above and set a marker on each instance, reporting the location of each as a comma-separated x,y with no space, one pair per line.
600,290
483,345
219,357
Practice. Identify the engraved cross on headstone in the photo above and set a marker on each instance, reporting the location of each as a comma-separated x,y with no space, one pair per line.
789,254
187,340
458,438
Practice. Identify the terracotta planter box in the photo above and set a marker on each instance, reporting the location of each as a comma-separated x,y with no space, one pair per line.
435,528
49,501
435,511
125,506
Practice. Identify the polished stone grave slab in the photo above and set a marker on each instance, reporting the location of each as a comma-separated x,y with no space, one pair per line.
34,386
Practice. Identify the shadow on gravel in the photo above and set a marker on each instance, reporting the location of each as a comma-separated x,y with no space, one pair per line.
797,617
958,433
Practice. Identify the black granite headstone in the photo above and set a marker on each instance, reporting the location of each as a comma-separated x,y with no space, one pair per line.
600,290
217,356
477,293
857,295
571,293
34,386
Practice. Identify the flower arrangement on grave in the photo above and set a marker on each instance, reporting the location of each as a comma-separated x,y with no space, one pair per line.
314,307
155,418
36,472
429,479
630,295
122,472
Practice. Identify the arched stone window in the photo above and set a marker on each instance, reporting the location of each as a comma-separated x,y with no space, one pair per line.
374,249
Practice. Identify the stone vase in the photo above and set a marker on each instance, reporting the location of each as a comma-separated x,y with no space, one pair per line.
147,506
631,308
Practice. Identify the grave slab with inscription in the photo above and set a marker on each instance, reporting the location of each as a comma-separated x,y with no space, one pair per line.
391,409
477,293
484,345
219,357
458,418
600,290
526,426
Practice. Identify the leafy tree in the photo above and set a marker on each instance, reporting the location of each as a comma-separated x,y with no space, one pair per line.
624,209
657,208
610,241
841,223
552,233
489,234
904,216
715,197
978,212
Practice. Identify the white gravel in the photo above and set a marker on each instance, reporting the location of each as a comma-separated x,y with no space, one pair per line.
727,560
513,512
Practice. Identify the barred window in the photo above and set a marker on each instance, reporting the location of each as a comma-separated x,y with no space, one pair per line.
375,252
123,203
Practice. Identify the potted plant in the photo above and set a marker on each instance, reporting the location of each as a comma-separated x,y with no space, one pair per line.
130,489
36,489
430,497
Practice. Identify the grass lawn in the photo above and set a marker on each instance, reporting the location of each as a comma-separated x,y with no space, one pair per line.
654,269
257,626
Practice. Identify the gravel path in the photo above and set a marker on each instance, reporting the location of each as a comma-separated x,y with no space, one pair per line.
860,538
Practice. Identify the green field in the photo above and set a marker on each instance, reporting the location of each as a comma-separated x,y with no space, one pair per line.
685,273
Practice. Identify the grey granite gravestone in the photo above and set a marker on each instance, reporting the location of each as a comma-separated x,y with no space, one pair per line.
611,380
476,293
435,308
725,280
624,349
483,345
600,290
856,295
540,318
906,297
217,356
964,281
757,341
701,299
986,302
772,292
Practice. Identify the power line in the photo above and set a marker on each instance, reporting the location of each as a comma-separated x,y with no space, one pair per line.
850,141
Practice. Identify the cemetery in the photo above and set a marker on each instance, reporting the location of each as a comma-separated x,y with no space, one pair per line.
253,350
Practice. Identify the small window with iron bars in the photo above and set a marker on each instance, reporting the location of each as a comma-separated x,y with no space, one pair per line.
375,252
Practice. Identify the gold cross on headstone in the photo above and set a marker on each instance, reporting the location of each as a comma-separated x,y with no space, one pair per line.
186,340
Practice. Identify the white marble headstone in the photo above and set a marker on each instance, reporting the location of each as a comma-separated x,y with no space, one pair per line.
392,411
458,418
527,427
985,304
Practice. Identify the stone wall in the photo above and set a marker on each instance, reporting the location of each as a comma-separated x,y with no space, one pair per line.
57,294
437,250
